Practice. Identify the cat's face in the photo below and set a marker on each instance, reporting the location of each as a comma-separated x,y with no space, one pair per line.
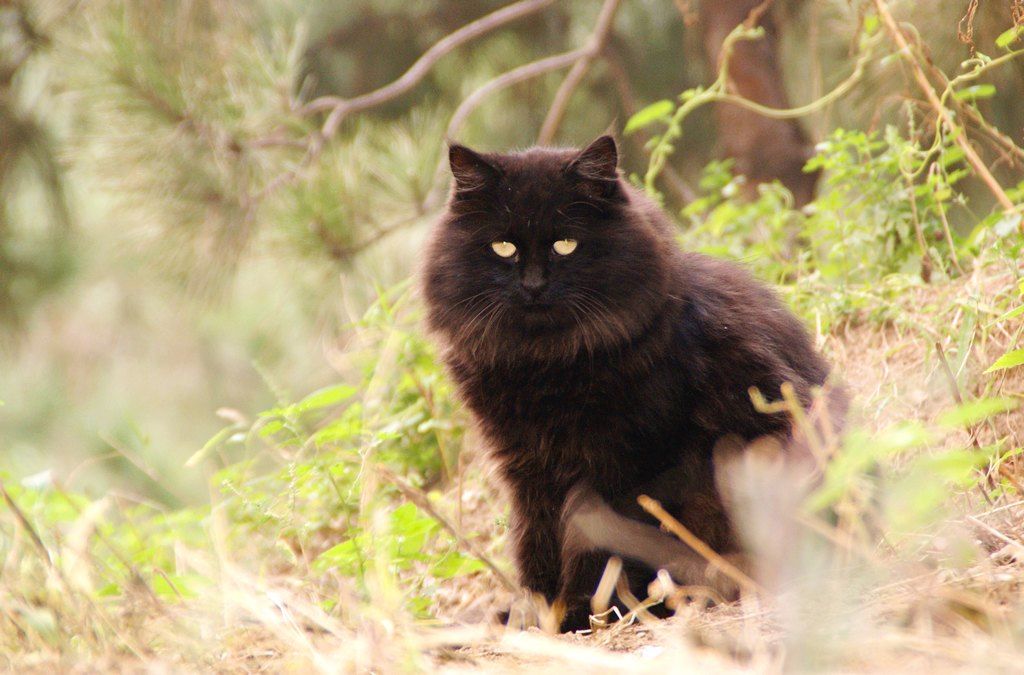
541,251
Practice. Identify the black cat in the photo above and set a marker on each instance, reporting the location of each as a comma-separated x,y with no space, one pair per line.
596,355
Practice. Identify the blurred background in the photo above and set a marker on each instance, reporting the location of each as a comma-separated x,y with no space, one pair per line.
187,224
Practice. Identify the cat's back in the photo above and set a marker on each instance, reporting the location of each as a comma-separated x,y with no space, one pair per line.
740,328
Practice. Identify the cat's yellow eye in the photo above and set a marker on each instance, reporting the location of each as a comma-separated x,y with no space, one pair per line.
564,246
505,249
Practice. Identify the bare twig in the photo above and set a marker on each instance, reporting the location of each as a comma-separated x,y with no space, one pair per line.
340,107
940,110
1017,547
514,76
654,507
690,14
417,497
954,388
934,171
1005,145
475,99
965,29
595,44
522,73
926,261
757,13
26,525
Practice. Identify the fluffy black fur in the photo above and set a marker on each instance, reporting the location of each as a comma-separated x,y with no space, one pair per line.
622,363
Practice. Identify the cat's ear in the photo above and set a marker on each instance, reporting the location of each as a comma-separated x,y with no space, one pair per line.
599,161
470,169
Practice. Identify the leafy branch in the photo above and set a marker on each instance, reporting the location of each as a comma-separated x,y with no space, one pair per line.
941,111
719,92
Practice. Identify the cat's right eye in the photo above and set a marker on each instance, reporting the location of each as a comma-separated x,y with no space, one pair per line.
504,249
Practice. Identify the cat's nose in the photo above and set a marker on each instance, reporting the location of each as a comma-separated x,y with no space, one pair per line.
534,283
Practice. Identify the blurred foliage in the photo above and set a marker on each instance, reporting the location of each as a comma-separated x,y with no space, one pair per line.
308,471
35,247
173,242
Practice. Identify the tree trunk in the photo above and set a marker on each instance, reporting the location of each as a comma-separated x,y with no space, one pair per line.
764,149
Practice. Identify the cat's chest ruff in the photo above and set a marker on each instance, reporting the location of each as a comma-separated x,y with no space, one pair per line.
560,413
534,392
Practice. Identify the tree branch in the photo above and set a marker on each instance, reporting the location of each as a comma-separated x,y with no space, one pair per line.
617,72
514,76
342,252
940,110
718,92
525,72
595,45
341,108
473,101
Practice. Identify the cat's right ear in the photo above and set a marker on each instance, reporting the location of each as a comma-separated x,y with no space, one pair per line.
470,169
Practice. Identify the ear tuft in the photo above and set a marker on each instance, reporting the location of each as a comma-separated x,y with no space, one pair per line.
599,161
470,169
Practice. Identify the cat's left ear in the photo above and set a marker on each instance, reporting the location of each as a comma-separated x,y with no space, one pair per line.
598,166
471,170
599,161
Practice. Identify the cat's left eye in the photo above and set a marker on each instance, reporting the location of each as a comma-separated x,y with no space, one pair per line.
504,249
564,246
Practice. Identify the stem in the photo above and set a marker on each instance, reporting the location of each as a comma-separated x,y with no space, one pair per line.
654,507
940,110
419,70
578,71
718,92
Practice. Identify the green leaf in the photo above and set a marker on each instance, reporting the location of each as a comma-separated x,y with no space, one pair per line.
954,466
218,438
1010,359
326,397
978,91
456,564
1011,314
655,112
176,586
972,412
343,429
1008,37
1008,224
861,452
871,24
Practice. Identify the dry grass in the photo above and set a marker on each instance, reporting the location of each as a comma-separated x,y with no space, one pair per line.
947,599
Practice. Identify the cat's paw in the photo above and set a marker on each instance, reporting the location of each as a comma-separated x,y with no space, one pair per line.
530,612
692,581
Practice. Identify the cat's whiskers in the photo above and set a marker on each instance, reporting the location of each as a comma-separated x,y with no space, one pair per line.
613,318
470,298
586,327
483,318
610,324
476,308
493,318
583,332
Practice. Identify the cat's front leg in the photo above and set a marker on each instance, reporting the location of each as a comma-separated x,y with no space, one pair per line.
535,531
